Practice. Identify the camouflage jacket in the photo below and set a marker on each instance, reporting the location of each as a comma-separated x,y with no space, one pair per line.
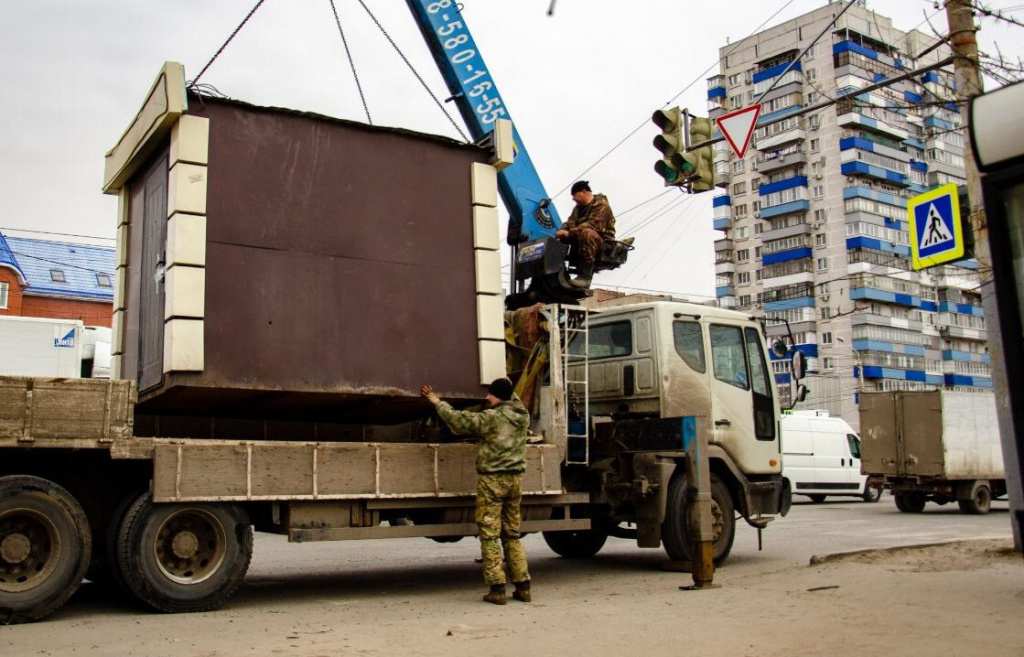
502,431
598,215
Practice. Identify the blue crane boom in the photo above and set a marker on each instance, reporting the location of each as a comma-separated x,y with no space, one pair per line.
531,214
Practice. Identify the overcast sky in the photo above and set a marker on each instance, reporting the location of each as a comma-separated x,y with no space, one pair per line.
75,73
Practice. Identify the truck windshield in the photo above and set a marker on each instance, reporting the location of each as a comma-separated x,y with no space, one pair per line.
689,344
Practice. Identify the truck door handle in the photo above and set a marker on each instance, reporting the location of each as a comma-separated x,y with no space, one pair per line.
723,423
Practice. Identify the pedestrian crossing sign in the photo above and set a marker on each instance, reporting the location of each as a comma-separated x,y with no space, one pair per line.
936,233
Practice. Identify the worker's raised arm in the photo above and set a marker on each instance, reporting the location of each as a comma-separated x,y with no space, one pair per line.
460,422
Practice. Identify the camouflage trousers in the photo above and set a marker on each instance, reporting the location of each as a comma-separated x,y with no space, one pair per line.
586,245
498,516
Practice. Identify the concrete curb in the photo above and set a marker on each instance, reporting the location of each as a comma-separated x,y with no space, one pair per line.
821,559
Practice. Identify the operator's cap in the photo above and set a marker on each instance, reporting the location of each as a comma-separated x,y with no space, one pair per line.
580,186
501,388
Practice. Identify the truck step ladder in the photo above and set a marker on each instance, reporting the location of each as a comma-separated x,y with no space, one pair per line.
574,335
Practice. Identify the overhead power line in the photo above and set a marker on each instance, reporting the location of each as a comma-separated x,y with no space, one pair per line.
224,45
53,232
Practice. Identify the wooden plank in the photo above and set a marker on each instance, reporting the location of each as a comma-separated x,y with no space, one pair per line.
299,535
34,409
282,470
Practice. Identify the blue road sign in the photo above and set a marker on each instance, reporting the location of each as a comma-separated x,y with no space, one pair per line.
936,231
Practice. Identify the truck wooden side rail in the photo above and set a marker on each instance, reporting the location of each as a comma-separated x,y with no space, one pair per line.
72,474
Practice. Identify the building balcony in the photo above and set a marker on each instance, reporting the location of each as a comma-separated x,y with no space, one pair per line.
884,320
878,372
788,231
857,120
723,245
801,205
723,223
725,291
723,174
857,168
769,142
725,267
773,161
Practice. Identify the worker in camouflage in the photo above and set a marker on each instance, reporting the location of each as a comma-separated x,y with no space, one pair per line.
588,226
500,464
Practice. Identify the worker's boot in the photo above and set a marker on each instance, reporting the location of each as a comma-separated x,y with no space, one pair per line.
522,592
496,596
585,274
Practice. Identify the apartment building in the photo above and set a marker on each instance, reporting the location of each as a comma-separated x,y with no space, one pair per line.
814,217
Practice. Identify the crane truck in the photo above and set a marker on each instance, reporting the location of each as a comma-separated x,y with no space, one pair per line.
623,400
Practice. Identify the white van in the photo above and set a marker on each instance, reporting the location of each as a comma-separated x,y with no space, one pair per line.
821,457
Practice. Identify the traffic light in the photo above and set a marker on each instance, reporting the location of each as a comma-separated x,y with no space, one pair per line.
670,144
701,160
678,164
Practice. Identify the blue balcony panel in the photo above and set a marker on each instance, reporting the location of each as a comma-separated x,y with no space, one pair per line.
912,97
774,72
782,379
808,350
722,224
787,255
964,380
877,245
865,169
785,208
882,197
720,201
850,46
724,291
965,356
890,347
790,304
782,185
917,165
716,92
778,115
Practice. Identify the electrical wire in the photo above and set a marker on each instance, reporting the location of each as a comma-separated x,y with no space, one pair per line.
686,88
62,264
52,232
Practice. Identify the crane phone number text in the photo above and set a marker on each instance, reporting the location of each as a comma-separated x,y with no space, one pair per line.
454,36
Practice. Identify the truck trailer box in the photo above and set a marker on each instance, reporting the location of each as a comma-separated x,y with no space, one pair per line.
35,346
280,264
935,434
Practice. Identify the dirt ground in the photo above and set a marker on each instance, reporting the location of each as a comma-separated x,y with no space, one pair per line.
961,598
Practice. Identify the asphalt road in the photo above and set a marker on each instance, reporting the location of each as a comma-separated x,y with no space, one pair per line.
372,597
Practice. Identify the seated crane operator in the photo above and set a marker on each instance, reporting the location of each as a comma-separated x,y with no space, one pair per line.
588,226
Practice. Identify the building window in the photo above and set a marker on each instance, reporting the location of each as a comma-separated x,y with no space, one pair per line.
736,101
814,145
826,337
812,74
826,313
737,166
821,239
814,121
758,228
812,97
739,188
822,264
756,205
826,363
741,233
743,255
3,294
743,278
757,252
57,276
744,300
740,211
819,191
820,216
103,280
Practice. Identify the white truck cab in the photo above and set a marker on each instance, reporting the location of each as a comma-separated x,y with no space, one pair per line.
821,457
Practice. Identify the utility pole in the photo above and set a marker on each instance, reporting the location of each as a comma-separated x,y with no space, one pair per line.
964,43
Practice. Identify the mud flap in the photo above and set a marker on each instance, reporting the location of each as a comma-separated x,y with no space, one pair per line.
652,478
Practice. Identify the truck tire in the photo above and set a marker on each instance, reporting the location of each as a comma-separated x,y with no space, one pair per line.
45,547
980,501
183,557
910,502
576,545
675,531
871,494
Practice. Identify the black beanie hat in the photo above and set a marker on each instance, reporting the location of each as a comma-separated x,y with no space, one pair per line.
501,388
580,186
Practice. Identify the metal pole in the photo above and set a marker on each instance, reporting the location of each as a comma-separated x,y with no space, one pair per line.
962,31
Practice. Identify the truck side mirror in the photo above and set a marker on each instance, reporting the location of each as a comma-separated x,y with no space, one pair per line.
798,364
801,393
779,348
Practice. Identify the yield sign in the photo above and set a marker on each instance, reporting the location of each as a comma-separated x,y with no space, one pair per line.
738,127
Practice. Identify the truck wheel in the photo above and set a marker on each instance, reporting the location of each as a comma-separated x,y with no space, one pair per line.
871,493
980,502
675,531
576,545
910,502
45,545
817,499
184,557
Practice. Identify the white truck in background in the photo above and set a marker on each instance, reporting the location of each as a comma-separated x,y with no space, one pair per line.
59,348
936,446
